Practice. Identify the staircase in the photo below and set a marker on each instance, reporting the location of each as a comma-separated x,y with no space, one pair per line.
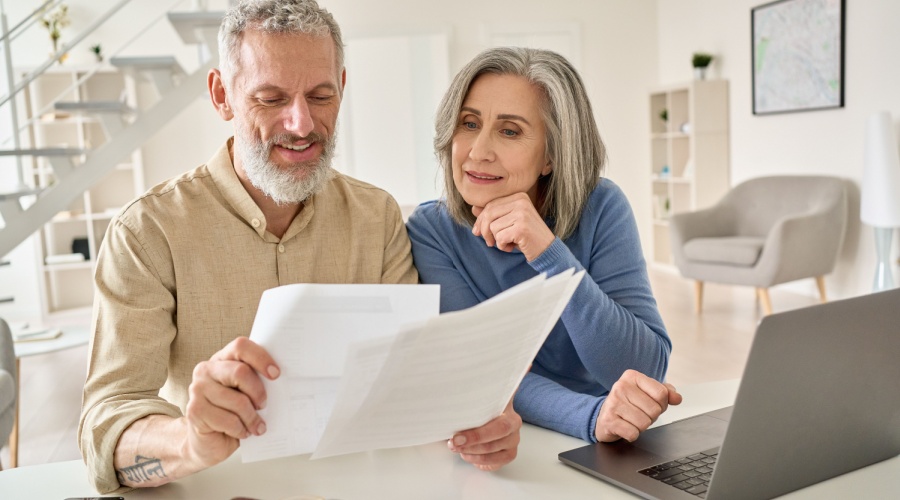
25,209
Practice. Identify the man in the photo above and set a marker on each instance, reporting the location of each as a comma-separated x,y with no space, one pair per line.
173,384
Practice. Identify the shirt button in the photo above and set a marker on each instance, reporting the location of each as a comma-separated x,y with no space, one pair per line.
254,222
281,248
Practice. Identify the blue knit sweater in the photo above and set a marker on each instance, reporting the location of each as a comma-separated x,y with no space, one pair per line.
610,325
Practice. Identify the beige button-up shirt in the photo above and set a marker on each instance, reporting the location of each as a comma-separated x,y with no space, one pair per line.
180,274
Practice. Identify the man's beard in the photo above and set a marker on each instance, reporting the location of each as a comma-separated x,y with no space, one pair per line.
291,184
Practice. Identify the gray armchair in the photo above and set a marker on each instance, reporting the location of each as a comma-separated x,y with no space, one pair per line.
7,383
765,231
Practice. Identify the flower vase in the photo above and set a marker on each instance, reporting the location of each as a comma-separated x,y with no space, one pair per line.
62,57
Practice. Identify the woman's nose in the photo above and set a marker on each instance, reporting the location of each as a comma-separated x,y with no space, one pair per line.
482,147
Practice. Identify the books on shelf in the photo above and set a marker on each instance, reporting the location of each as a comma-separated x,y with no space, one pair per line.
65,258
35,334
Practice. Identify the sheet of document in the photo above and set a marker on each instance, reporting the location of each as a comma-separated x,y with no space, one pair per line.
452,372
308,329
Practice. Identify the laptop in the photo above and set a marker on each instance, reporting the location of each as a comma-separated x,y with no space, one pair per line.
820,396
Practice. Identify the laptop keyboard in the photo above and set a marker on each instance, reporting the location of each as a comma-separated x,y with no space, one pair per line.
690,474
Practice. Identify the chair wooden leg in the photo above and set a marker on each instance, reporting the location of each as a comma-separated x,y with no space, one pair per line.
763,294
14,435
820,281
698,297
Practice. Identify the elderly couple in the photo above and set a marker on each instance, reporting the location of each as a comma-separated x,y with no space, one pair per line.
172,376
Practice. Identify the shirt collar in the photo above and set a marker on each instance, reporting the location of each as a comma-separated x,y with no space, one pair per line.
221,168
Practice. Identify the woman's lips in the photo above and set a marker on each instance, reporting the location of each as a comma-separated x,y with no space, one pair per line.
481,177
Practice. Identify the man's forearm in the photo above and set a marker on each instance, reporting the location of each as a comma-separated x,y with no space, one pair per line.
154,451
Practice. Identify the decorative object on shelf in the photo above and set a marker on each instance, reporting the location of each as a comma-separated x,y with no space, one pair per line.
664,115
80,245
688,172
55,20
701,61
685,128
97,50
665,172
798,56
879,201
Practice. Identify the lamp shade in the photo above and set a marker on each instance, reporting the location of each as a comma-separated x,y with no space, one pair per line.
880,192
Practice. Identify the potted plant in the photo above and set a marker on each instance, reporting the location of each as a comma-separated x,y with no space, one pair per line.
98,52
700,61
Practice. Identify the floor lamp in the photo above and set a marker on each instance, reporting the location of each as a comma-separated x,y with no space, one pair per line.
880,192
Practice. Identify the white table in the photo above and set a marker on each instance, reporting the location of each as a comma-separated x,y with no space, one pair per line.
424,472
72,336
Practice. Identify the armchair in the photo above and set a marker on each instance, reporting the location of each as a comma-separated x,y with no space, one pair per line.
7,383
764,232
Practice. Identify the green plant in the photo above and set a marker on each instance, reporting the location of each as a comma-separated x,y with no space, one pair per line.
98,51
664,114
55,20
701,59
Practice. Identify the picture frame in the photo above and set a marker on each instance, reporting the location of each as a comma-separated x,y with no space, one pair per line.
797,52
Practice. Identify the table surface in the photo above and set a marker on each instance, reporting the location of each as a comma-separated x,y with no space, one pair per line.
427,471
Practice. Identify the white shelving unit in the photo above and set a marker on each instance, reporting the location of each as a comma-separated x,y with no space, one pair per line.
68,286
689,153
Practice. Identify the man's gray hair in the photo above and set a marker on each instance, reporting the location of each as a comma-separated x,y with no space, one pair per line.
274,16
573,145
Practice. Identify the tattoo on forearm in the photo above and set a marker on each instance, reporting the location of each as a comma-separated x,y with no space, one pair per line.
141,471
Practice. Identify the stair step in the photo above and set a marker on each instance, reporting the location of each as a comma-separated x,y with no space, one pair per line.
147,63
43,152
116,107
189,25
15,195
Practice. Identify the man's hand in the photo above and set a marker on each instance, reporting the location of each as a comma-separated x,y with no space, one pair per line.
492,445
633,404
513,222
225,394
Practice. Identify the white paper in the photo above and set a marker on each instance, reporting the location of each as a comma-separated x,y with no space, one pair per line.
454,372
308,329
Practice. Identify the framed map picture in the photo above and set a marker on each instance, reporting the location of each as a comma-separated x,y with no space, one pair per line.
798,55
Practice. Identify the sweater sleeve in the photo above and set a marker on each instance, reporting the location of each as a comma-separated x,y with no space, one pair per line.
611,319
433,259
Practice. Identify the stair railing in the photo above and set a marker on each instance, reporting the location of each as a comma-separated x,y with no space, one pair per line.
62,51
36,115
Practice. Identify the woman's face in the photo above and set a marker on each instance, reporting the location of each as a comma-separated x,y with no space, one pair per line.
499,143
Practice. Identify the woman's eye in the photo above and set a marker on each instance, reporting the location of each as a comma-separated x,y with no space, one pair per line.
470,125
509,133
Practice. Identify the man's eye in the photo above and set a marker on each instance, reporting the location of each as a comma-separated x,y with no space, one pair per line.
270,102
321,98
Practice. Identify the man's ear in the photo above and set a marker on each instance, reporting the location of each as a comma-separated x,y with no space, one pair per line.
343,80
217,94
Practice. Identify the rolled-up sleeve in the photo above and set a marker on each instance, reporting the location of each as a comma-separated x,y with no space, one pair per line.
133,328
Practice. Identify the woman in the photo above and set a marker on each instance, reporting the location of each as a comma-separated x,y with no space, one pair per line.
522,161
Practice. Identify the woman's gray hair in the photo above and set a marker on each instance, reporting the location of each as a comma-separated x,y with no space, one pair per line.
573,145
274,16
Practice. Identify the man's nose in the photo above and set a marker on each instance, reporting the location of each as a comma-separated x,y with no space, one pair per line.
298,119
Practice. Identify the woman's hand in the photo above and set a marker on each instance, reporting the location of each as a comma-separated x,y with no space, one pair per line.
492,445
513,222
633,404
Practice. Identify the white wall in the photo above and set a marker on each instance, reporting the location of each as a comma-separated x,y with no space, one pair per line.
816,142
